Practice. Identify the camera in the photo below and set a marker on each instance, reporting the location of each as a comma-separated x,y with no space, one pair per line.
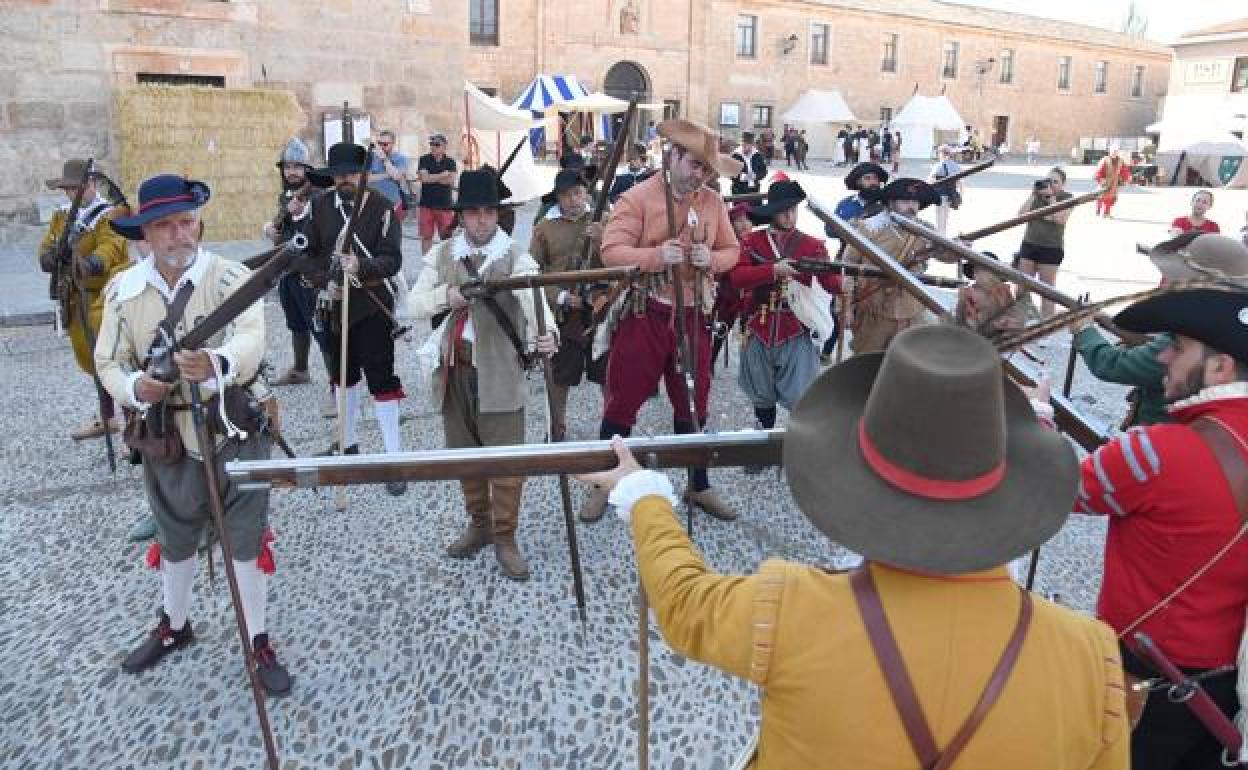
1041,185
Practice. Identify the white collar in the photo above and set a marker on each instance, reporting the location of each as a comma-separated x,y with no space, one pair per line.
1210,394
878,221
554,212
135,279
496,249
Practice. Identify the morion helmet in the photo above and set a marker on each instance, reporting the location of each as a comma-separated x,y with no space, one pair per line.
296,152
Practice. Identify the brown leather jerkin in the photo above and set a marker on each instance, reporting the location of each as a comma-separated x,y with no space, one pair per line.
888,655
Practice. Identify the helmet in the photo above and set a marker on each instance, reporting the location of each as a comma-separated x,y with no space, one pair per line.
295,152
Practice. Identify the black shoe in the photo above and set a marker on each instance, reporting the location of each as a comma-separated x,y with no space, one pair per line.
160,642
273,675
396,488
354,449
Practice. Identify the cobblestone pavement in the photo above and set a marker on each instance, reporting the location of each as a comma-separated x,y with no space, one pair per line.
402,657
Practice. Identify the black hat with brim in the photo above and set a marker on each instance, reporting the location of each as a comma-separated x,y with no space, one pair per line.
565,180
479,189
781,196
904,189
854,177
344,158
1217,318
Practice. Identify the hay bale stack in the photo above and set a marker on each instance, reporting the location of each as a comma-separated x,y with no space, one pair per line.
229,138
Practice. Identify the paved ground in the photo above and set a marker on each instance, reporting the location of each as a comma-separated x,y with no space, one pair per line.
402,657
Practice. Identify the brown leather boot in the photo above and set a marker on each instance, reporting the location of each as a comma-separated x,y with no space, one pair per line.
712,503
505,494
595,505
477,536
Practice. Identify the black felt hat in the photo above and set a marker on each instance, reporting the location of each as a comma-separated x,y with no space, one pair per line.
344,158
905,189
855,175
565,180
479,189
1216,317
780,196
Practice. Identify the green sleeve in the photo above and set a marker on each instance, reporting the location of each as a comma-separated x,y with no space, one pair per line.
1124,365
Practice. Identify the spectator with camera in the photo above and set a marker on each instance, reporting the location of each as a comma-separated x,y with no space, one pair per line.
1044,240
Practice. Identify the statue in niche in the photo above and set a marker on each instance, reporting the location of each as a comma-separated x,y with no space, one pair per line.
630,18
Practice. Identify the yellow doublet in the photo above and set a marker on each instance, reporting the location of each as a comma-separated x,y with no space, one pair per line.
110,247
796,631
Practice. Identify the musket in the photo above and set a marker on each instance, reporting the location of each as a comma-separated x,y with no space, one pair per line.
1186,689
817,266
61,287
1022,219
536,280
565,492
89,335
1010,274
968,171
1068,419
745,197
512,157
728,449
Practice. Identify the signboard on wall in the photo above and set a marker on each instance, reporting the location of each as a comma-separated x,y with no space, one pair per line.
1207,72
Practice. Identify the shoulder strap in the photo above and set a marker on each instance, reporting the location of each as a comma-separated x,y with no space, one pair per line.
900,686
176,308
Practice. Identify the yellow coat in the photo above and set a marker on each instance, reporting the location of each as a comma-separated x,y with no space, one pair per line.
796,632
104,242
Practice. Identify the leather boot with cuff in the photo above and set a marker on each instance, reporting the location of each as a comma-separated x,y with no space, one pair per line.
505,498
477,536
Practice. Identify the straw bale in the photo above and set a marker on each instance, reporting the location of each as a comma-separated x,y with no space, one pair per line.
229,138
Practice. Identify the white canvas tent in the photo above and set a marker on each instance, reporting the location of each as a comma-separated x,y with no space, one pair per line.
1220,162
820,114
920,121
496,130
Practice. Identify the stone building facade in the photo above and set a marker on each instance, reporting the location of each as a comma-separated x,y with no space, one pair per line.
63,60
1008,74
1208,90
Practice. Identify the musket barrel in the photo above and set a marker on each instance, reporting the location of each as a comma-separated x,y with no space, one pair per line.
516,282
1023,219
729,449
865,271
969,170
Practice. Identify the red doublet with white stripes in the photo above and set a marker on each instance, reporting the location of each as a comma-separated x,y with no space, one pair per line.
1170,510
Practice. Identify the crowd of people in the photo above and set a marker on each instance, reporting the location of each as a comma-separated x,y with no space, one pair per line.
915,452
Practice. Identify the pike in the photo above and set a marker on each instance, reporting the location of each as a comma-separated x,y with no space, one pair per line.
968,171
1010,274
864,271
1068,419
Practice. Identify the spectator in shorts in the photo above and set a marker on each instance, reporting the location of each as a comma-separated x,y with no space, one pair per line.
1202,201
388,172
437,174
1044,240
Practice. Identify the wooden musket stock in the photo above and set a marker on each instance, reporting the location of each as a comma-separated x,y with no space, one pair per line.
863,271
569,277
1023,219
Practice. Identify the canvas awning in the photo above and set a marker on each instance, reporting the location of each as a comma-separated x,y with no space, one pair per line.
546,90
816,106
487,113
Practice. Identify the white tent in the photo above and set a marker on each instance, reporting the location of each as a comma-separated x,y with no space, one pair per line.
496,130
1219,162
820,114
921,119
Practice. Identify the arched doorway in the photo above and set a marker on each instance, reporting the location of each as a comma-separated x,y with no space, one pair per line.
626,80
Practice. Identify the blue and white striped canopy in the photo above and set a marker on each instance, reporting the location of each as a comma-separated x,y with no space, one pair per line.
545,90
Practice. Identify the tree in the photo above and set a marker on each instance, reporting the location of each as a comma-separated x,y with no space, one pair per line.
1136,23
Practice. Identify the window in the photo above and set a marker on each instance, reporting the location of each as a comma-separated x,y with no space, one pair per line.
949,61
483,22
1137,82
889,62
178,79
1102,77
886,114
818,43
1239,76
762,116
730,114
1007,66
747,36
1063,73
671,108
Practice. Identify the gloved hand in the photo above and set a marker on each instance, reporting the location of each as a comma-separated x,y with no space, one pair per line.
672,252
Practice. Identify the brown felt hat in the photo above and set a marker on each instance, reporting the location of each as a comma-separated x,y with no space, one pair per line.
925,457
701,142
71,175
1207,255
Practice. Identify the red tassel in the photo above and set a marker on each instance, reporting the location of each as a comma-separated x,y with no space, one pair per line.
265,560
153,556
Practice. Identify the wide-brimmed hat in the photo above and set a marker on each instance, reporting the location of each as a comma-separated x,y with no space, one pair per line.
702,143
780,197
565,180
904,189
296,152
159,197
1196,255
855,175
925,457
71,175
479,190
1216,317
344,158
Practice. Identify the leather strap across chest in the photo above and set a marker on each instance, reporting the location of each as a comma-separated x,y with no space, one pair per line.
901,687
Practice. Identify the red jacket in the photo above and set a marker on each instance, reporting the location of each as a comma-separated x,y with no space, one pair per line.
1170,510
754,278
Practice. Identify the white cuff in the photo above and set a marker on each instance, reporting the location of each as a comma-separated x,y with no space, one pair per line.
637,485
131,382
231,369
563,297
307,209
1043,409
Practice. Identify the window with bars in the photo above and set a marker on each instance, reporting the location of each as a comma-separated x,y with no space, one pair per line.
761,117
886,114
949,61
483,22
747,36
1101,81
1137,82
1063,73
818,43
1007,66
1239,76
889,61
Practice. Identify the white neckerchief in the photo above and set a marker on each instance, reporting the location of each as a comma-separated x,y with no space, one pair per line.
495,250
132,282
1210,394
84,211
877,222
749,167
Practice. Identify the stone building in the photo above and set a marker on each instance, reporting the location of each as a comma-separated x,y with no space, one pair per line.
64,60
1009,75
1208,93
